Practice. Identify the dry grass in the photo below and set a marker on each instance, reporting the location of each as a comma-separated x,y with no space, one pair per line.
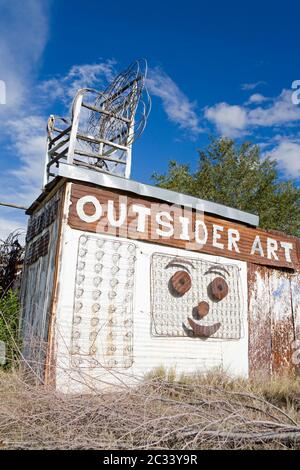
199,412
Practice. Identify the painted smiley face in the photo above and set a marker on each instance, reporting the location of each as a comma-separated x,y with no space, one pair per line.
195,298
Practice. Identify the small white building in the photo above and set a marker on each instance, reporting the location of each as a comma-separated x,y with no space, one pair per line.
121,278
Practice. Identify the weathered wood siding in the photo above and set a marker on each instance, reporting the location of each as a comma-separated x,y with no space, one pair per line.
38,280
161,225
273,315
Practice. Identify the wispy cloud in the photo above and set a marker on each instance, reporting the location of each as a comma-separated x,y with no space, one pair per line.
176,104
29,143
10,224
257,98
252,86
280,111
64,87
21,47
236,120
20,53
23,117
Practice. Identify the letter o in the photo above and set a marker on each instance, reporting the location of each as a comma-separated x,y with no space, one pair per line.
80,209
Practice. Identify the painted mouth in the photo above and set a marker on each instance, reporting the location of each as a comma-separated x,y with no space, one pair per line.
204,331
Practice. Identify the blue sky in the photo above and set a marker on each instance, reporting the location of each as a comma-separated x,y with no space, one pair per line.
215,68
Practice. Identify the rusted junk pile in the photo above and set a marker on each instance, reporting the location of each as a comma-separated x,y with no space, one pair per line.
11,261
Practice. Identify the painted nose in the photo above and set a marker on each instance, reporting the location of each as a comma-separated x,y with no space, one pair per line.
202,309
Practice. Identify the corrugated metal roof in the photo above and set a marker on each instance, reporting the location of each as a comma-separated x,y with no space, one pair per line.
116,182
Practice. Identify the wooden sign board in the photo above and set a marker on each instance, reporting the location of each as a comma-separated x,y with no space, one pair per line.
114,212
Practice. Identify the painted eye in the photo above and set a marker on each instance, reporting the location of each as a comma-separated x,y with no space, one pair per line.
180,283
218,288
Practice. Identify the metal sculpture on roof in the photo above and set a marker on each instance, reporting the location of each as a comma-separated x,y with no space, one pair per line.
103,126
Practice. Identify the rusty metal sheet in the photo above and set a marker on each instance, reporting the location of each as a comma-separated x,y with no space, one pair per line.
282,321
259,321
273,298
295,290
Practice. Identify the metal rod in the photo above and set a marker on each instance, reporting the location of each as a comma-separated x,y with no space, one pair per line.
61,134
119,92
99,156
100,141
14,206
57,146
93,167
56,158
104,111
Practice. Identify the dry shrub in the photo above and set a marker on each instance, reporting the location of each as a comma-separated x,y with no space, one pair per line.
191,412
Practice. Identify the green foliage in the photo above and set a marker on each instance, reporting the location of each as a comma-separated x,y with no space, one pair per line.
9,326
237,176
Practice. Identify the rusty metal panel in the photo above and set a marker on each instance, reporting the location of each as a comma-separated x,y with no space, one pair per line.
295,289
259,320
273,303
282,321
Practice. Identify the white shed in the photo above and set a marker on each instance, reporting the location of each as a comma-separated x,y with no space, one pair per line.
122,277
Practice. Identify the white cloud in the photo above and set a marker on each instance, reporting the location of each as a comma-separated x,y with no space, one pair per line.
29,142
235,120
79,76
24,31
230,120
257,98
9,224
176,104
252,86
280,111
287,153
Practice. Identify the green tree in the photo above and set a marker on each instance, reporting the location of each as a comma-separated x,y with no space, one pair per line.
239,177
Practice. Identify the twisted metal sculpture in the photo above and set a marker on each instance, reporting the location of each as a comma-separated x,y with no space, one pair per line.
103,125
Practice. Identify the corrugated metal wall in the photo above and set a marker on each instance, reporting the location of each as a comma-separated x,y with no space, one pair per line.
274,318
184,354
37,285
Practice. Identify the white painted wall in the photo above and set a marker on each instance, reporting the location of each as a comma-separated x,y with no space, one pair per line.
184,354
